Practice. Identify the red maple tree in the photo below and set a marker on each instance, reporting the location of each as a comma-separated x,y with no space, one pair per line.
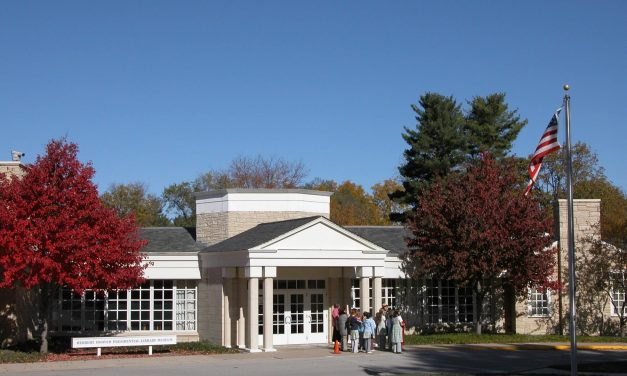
477,229
54,231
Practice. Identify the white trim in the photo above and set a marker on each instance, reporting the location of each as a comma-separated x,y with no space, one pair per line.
329,224
182,266
281,201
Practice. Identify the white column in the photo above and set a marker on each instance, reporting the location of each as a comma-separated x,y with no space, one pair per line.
376,294
253,273
252,332
241,322
268,292
364,273
226,340
364,292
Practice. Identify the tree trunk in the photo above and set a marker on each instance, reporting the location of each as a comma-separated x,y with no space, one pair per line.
509,308
44,305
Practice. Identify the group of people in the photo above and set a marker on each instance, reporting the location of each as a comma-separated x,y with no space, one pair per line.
384,330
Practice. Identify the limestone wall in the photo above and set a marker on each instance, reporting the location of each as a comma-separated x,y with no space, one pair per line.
210,309
587,217
11,168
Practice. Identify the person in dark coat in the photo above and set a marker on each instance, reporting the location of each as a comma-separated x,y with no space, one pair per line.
341,327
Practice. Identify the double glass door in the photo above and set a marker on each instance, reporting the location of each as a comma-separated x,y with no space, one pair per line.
299,317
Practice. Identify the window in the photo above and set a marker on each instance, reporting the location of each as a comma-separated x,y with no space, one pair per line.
465,304
389,292
71,311
117,309
163,307
617,293
186,305
445,302
140,307
356,294
539,303
159,305
94,310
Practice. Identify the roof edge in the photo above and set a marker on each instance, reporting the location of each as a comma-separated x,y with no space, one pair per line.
224,192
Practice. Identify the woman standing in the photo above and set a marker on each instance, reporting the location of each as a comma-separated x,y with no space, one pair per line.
342,325
381,329
355,323
370,329
396,337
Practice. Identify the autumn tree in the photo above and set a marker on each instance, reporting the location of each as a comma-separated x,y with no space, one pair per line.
351,205
613,208
602,280
134,198
55,232
586,167
477,229
589,181
385,205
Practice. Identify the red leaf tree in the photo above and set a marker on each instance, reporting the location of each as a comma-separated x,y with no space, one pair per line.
54,231
477,229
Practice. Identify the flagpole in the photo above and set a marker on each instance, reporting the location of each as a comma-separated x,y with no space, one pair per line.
571,240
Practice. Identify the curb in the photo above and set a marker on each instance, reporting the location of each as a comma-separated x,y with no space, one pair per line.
534,346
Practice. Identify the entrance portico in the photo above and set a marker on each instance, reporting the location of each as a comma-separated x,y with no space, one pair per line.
282,278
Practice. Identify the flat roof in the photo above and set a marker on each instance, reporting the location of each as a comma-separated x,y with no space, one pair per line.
224,192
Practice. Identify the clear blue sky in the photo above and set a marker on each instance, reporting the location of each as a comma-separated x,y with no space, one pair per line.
160,92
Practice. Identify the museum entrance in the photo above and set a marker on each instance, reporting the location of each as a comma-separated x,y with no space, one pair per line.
298,312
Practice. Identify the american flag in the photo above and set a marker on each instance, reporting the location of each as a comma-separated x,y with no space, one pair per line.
547,145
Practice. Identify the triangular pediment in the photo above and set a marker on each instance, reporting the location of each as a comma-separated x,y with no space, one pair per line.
320,234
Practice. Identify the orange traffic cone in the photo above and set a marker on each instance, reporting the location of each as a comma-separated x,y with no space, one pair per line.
336,349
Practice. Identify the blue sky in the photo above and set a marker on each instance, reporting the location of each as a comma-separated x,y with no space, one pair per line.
160,92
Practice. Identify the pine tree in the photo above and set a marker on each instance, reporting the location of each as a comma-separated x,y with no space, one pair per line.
436,147
491,127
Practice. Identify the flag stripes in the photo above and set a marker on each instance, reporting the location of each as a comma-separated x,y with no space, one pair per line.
547,145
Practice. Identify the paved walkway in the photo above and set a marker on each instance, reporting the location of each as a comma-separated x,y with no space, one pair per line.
314,360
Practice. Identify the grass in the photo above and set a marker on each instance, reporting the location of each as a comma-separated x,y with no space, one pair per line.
471,338
28,353
199,348
13,356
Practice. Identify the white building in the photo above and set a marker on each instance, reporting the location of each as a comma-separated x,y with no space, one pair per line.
274,256
264,267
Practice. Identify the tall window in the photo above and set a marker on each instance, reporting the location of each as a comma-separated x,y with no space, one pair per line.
157,305
445,302
539,303
186,305
356,294
389,291
618,292
140,307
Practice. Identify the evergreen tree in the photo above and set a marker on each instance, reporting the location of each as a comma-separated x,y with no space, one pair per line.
491,127
446,139
437,146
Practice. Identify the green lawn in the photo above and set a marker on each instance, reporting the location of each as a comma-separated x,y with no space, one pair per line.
61,351
468,338
12,356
